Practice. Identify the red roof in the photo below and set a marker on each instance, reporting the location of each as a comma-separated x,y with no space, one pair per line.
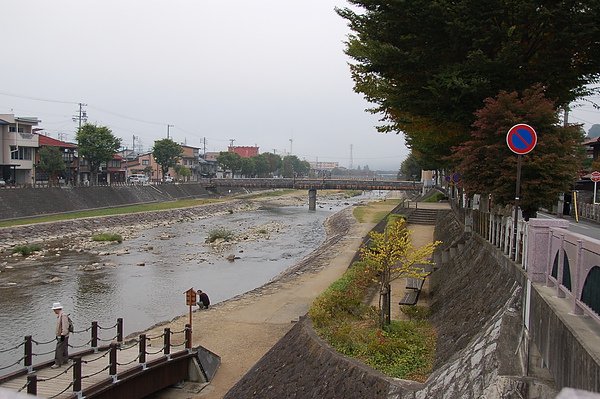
50,142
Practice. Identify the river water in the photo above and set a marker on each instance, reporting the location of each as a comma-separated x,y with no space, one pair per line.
143,279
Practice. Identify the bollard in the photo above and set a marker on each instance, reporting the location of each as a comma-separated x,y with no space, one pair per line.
95,336
120,330
188,336
32,384
167,341
113,361
77,374
142,347
28,353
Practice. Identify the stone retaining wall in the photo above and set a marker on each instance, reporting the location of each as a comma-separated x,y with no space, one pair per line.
476,302
23,202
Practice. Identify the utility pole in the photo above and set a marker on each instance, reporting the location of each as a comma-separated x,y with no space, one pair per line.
291,144
82,116
204,147
168,131
133,145
231,143
351,166
566,114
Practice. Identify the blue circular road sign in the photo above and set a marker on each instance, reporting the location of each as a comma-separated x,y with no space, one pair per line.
521,139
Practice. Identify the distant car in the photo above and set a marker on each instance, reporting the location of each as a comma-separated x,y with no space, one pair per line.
2,183
168,179
138,178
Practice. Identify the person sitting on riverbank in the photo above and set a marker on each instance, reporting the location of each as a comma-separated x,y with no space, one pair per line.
203,300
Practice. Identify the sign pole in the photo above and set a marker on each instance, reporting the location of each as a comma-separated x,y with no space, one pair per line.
595,184
517,194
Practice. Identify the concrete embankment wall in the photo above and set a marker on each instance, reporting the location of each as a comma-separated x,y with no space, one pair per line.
477,313
23,202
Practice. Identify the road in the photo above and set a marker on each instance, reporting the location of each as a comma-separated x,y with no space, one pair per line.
584,227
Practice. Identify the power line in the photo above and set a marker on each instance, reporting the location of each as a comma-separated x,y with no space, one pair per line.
127,117
37,98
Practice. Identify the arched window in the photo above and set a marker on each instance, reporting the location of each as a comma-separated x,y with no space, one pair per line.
590,295
566,277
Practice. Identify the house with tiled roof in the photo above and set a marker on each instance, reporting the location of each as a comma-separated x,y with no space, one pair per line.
69,155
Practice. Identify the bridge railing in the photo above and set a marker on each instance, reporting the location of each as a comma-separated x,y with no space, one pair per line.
549,253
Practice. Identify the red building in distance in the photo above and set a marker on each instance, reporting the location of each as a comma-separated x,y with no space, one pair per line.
244,152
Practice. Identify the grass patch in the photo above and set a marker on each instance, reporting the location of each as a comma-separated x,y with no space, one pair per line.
158,206
436,197
27,249
220,233
352,193
374,212
108,237
405,349
268,194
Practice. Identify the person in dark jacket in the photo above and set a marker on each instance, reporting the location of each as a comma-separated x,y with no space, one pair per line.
203,300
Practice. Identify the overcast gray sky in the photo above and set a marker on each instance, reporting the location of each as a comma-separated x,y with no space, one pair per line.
262,72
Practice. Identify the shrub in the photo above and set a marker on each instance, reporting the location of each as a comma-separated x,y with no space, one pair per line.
27,249
220,233
416,312
108,237
404,350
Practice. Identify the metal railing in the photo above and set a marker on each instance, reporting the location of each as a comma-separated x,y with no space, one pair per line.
110,356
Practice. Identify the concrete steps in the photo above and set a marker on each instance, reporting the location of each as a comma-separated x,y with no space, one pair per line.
423,217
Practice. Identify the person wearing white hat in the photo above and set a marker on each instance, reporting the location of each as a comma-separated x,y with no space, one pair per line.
61,354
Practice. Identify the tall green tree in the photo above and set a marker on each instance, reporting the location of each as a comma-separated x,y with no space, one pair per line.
166,152
51,162
292,166
409,167
229,161
274,161
488,166
248,167
261,165
97,145
428,65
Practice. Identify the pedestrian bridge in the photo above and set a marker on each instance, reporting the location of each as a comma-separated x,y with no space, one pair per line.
312,185
109,367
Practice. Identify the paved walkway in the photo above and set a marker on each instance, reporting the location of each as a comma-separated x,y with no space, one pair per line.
242,330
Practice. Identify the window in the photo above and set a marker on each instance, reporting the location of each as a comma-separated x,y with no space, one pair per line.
21,153
115,163
13,129
83,162
145,162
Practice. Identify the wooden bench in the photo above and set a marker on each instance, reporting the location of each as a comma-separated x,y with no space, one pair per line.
410,297
413,289
414,283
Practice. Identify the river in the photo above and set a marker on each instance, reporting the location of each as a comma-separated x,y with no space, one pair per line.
142,280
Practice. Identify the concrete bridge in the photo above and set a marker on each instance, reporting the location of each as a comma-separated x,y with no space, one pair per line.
110,367
312,185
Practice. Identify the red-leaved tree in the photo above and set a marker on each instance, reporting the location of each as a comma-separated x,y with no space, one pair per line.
488,166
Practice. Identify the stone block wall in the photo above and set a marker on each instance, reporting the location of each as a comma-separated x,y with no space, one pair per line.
23,202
